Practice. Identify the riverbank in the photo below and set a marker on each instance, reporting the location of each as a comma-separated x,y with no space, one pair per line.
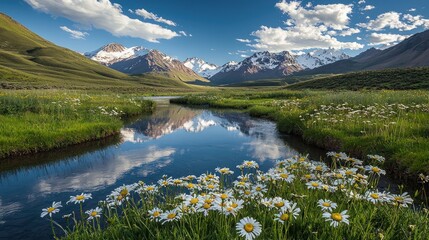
41,120
389,123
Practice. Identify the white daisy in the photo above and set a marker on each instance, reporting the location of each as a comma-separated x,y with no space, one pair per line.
94,213
155,214
79,198
326,205
51,210
336,218
249,228
170,216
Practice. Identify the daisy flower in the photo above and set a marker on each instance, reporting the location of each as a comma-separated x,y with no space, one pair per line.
287,212
314,185
155,214
336,218
279,202
224,171
51,210
170,216
402,200
375,170
326,205
248,228
94,213
79,198
375,197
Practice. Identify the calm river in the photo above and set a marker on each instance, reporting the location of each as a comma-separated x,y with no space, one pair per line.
174,140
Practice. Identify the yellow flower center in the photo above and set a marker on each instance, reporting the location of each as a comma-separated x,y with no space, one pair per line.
241,183
93,213
171,215
211,186
248,227
301,159
279,204
177,181
150,188
234,205
191,185
337,217
339,175
326,204
319,168
124,192
375,195
194,201
349,172
206,205
247,192
229,209
284,217
119,198
258,189
399,198
51,209
224,196
307,176
80,198
376,169
156,214
210,176
315,184
284,175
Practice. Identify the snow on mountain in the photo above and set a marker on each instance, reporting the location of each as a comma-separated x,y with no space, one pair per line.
320,57
113,52
229,66
202,67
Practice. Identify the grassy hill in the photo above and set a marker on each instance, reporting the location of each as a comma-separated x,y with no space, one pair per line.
398,79
29,61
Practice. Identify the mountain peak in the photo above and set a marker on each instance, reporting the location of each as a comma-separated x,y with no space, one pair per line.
113,47
201,67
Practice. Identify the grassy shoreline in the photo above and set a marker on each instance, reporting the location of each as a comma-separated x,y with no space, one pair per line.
36,121
391,123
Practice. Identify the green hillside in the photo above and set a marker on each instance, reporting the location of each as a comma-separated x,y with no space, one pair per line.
398,79
29,61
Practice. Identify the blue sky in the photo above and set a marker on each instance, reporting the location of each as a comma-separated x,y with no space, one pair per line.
213,27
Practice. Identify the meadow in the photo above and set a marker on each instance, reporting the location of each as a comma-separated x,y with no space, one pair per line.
297,199
41,120
390,123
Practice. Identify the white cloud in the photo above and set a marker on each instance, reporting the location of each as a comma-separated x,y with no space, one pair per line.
361,2
102,14
358,38
368,7
385,39
297,38
183,33
412,10
335,16
244,56
243,40
395,20
148,15
74,33
349,32
311,27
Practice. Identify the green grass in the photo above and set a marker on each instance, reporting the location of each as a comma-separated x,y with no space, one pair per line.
401,135
396,79
40,120
207,210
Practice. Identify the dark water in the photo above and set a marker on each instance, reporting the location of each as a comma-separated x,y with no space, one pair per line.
175,140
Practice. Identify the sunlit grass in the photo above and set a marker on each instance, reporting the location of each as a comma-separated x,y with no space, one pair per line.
33,121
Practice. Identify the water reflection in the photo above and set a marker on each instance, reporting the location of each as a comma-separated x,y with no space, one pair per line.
174,140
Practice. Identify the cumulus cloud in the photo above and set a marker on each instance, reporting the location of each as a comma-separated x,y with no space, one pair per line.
335,16
243,40
308,27
148,15
395,20
361,2
368,7
102,14
412,10
385,39
74,33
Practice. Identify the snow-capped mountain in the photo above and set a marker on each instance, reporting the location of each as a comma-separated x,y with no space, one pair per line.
157,62
202,67
114,52
261,65
320,57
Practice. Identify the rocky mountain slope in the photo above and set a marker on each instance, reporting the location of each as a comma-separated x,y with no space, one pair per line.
202,67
